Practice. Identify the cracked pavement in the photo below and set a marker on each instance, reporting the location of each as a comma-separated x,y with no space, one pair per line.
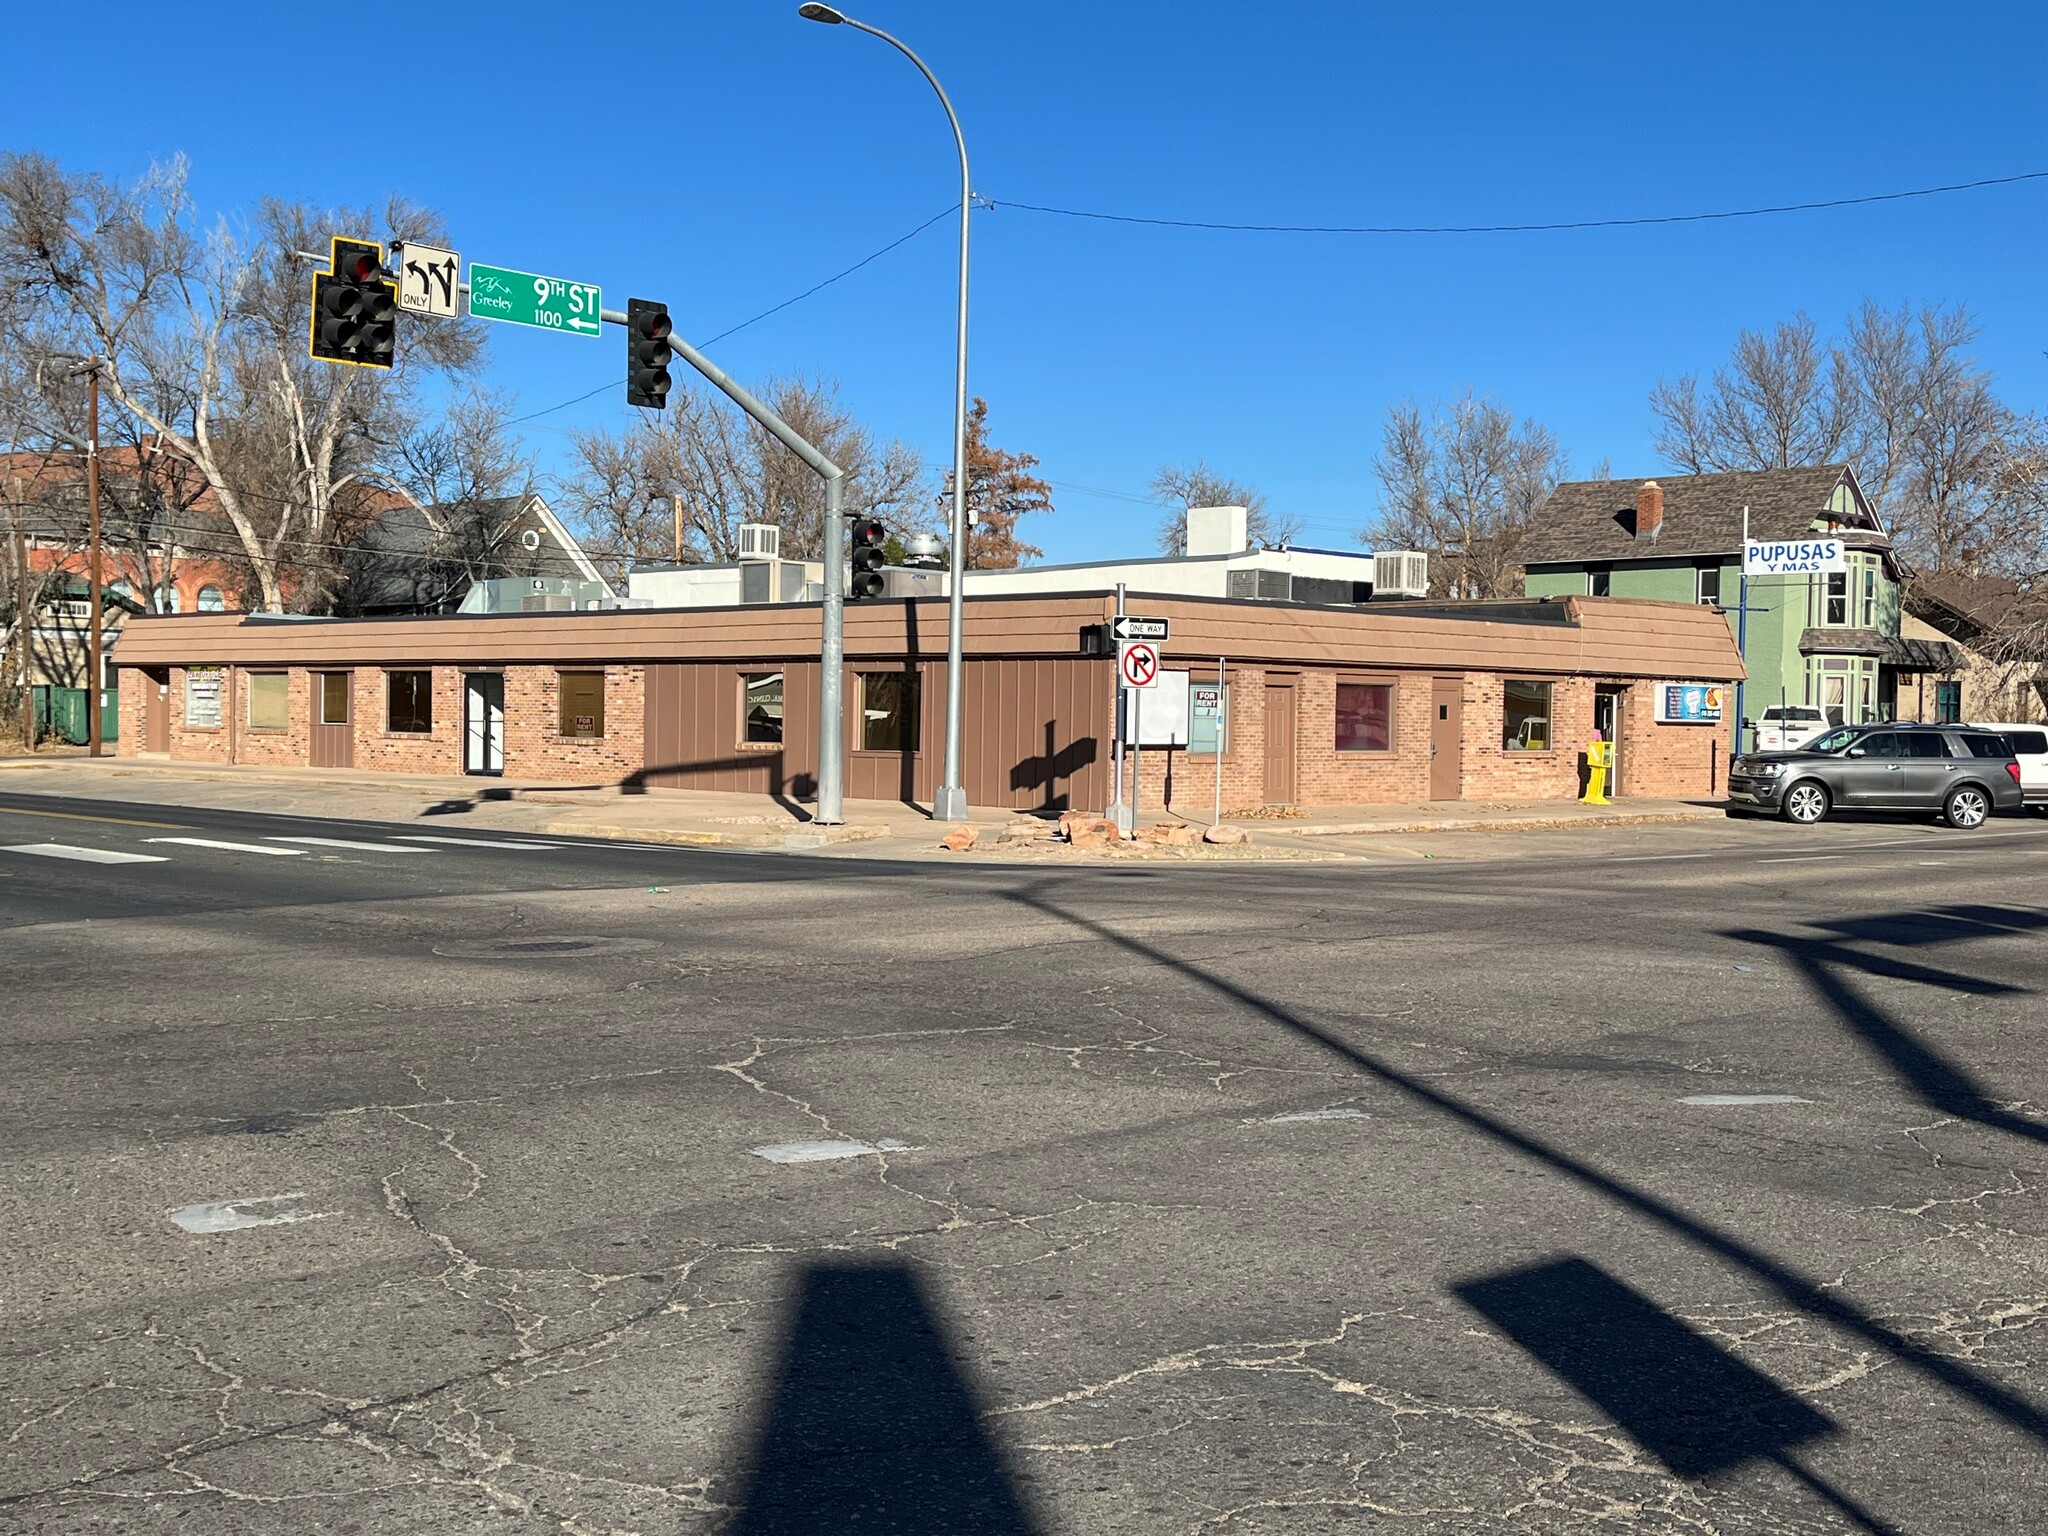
538,1281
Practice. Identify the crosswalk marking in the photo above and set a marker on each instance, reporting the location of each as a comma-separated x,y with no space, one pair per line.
84,855
211,842
342,842
465,842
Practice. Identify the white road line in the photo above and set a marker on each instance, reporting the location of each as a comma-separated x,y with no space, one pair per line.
84,855
1731,1100
1649,858
465,842
209,842
1803,858
342,842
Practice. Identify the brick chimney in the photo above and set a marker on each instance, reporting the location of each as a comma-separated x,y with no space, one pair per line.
1649,510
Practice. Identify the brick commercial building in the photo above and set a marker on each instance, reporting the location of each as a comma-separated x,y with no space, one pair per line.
1317,705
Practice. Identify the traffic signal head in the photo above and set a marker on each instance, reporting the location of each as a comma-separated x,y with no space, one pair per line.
647,353
355,311
864,568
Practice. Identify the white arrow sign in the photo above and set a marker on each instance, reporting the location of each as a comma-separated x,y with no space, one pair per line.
427,280
1128,626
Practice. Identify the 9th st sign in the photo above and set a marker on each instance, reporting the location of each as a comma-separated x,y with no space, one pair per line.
527,298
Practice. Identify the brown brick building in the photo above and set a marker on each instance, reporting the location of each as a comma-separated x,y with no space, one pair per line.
1321,705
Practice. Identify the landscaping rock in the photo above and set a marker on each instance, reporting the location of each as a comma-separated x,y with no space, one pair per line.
1226,835
1092,832
959,839
1172,834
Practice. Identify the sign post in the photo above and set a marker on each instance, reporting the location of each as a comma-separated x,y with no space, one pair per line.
527,298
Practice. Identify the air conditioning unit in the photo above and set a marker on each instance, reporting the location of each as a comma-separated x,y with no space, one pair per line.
760,541
1402,573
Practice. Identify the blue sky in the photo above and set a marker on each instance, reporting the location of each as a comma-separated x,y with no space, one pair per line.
725,156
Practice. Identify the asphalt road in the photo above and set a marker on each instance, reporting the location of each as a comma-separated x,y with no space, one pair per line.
1675,1180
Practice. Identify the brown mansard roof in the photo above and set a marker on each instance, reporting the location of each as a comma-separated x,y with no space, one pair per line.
1576,636
1594,520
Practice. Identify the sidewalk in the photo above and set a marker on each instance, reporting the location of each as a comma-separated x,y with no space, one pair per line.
874,828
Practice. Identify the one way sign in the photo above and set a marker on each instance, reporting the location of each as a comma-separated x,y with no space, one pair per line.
1128,626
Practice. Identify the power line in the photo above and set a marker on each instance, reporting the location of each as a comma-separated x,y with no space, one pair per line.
1524,229
774,310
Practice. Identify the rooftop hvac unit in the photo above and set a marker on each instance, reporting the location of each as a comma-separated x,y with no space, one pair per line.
1403,573
760,541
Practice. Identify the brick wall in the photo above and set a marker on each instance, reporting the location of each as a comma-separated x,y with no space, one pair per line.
1660,761
534,747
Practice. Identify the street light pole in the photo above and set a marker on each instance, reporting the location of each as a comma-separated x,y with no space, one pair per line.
93,744
949,803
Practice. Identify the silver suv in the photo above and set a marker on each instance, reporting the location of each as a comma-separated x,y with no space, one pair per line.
1963,774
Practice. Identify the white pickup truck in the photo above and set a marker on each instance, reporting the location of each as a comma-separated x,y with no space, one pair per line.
1788,727
2030,750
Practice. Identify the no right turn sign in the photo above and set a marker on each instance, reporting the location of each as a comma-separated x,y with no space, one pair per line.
1137,662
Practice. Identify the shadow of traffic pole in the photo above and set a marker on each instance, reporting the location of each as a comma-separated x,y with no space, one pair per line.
1941,1084
1793,1288
1690,1403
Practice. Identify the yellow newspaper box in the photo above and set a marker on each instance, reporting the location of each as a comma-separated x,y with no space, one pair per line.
1599,768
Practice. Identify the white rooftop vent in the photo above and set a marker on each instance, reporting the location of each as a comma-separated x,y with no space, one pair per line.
1400,573
760,541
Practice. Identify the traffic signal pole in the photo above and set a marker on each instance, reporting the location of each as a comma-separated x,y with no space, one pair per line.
832,644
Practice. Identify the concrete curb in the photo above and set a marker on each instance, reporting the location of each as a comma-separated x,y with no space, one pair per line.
1482,824
693,837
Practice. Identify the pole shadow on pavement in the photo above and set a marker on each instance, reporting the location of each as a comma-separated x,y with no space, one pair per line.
871,1426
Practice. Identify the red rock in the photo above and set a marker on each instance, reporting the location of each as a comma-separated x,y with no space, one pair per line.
959,839
1226,835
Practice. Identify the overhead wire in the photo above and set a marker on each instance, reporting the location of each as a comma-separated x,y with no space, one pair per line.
1522,229
776,309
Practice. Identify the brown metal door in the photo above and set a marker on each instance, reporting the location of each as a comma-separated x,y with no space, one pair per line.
1446,738
1280,743
156,709
332,737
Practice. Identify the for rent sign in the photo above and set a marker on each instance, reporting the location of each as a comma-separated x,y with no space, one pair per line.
1793,557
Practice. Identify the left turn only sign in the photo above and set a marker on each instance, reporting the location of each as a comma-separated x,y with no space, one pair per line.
1137,662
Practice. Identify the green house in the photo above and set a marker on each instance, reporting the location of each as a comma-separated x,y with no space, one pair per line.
1829,640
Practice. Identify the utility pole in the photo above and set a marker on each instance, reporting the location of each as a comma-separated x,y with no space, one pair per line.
23,635
677,498
93,745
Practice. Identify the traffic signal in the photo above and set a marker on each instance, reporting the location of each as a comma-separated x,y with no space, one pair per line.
864,570
647,353
355,310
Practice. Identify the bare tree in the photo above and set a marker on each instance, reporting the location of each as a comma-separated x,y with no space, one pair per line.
1901,397
1783,399
728,472
1460,483
200,334
1182,487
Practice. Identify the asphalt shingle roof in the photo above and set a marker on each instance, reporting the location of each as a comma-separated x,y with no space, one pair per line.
1595,519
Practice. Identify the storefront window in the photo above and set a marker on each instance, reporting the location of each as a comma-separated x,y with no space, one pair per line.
1208,719
1525,716
409,702
1365,717
888,712
761,708
582,704
269,701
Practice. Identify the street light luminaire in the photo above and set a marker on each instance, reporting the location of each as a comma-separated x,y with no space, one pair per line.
816,12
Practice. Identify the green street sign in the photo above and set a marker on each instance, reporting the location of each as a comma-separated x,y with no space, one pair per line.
527,298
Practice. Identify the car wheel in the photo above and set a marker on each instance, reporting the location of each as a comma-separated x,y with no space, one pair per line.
1806,802
1966,807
